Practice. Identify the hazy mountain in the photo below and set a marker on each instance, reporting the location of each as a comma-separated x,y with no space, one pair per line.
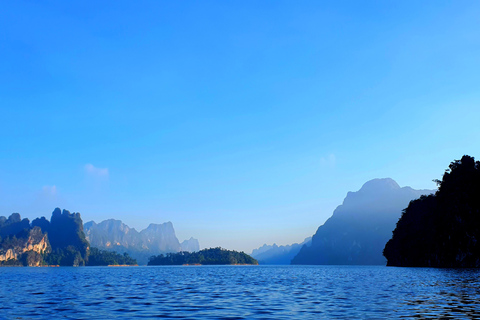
116,236
112,233
273,254
358,230
190,245
160,238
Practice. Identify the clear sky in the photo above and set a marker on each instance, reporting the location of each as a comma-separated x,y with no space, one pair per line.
242,122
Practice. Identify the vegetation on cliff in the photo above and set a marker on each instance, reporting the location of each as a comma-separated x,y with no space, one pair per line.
27,247
66,236
441,230
60,241
212,256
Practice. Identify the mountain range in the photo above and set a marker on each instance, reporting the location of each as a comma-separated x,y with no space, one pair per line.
274,254
114,235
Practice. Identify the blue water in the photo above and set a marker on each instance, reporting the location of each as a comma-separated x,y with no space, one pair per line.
239,292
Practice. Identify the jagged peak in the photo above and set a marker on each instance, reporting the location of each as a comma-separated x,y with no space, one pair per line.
159,225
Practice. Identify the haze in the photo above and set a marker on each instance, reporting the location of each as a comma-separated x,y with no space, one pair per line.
242,123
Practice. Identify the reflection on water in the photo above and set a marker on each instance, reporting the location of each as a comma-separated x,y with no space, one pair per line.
239,292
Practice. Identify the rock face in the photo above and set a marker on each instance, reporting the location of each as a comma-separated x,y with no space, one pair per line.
160,238
442,230
66,236
273,254
190,245
27,248
13,225
60,241
114,235
358,230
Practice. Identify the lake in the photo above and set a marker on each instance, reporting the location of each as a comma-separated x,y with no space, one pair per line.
239,292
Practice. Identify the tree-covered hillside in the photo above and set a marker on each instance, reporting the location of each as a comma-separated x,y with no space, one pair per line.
212,256
441,230
97,257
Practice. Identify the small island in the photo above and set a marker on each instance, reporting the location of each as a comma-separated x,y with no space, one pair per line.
212,256
441,230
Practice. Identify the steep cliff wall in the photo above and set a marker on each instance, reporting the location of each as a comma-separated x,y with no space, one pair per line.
27,248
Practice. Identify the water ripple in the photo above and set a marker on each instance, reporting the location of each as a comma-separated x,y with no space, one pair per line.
239,292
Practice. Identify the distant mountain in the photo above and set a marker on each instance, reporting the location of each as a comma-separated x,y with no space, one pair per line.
111,234
358,230
190,245
160,238
114,235
273,254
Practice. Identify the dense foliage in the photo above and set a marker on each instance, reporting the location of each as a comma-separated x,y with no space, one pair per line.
68,256
99,257
23,240
441,230
212,256
66,242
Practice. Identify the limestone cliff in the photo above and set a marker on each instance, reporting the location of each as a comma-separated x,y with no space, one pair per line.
190,245
114,235
26,249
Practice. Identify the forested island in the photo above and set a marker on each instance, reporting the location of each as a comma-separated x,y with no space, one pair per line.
441,230
212,256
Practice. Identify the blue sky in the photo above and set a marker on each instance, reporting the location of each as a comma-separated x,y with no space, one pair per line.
242,122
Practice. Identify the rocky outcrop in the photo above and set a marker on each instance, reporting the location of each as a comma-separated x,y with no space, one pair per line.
358,230
66,236
66,241
190,245
114,235
160,238
27,248
111,233
13,225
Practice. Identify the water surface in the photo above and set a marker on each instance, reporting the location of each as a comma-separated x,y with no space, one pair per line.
239,292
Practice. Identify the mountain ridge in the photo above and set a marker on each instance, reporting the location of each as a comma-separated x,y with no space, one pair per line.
359,228
113,234
275,254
